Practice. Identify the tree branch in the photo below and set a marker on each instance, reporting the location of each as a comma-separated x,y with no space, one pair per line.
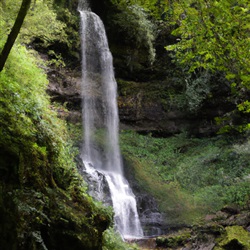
14,32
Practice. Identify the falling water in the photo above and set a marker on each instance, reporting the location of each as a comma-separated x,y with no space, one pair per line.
101,153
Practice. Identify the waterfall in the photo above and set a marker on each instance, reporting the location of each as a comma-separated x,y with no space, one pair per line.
101,154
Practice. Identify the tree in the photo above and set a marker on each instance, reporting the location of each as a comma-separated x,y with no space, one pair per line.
215,36
14,32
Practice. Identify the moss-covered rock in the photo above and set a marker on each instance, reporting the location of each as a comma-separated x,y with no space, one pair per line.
43,199
174,240
37,213
158,107
234,238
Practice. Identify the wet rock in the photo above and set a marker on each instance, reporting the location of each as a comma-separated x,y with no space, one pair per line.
213,235
145,243
98,187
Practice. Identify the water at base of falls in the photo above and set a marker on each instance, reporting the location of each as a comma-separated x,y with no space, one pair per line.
101,153
122,199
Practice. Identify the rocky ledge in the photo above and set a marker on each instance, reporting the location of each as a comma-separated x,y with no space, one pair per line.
144,107
228,229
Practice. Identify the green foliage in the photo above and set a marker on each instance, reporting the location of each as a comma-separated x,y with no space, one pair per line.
21,99
156,8
28,127
202,174
135,22
234,234
215,24
213,35
41,21
45,25
57,213
239,193
57,60
71,21
173,240
152,161
197,90
40,186
113,241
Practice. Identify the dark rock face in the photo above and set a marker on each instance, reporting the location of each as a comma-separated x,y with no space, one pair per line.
142,106
65,87
149,103
153,222
151,219
145,107
148,93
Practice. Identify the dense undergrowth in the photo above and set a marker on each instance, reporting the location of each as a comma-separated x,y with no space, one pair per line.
190,176
43,199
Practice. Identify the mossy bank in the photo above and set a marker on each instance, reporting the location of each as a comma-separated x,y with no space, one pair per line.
43,199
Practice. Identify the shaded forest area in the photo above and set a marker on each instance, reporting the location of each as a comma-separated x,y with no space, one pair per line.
182,70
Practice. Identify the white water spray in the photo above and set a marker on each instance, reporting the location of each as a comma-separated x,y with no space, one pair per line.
100,118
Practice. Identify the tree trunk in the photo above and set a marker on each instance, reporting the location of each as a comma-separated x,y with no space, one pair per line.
14,32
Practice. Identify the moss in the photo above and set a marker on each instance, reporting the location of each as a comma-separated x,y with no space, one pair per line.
43,200
235,237
51,217
150,90
78,222
211,228
143,96
174,240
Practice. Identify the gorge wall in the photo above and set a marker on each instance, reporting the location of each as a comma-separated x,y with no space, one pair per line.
152,95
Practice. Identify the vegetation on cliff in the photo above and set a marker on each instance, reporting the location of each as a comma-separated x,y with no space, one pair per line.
43,199
207,78
205,59
190,177
211,37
